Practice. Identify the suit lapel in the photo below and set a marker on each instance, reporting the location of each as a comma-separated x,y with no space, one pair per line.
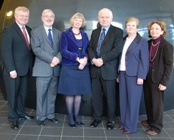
96,37
71,36
44,33
134,43
19,32
55,38
108,35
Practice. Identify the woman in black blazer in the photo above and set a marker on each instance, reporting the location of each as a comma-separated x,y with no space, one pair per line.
161,63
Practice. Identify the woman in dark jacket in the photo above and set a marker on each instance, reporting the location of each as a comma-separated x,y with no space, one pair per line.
74,75
161,63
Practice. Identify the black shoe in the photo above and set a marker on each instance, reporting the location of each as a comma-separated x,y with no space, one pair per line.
78,120
53,120
95,123
72,125
110,125
71,121
14,125
79,123
26,117
41,123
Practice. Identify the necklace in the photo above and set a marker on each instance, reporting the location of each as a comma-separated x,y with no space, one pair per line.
157,45
76,34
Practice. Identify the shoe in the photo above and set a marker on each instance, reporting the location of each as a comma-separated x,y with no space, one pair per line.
78,120
151,132
71,121
120,127
79,123
26,117
14,125
110,125
126,132
144,123
95,123
72,125
41,123
53,120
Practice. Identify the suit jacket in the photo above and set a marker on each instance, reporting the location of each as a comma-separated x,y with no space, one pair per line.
69,47
137,58
110,51
44,52
163,63
15,52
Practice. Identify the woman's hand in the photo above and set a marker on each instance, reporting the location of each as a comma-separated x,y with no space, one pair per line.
82,61
161,87
140,81
81,67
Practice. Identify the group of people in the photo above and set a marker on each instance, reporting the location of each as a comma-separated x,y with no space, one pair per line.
70,64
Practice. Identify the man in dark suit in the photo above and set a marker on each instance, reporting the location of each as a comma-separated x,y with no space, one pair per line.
45,45
18,60
104,57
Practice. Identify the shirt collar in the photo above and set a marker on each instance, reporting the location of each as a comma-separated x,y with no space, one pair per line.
20,26
46,28
106,29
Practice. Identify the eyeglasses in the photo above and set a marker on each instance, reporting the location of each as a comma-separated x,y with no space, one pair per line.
48,16
23,16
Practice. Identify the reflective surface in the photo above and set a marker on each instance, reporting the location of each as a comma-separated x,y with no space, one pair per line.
146,11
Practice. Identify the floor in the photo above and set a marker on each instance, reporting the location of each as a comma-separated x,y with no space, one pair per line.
29,130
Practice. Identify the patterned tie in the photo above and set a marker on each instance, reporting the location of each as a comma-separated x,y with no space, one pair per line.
101,38
50,37
25,36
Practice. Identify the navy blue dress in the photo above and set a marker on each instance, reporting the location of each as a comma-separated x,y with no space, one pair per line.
74,81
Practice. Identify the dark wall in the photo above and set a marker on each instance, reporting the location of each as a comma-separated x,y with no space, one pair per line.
145,10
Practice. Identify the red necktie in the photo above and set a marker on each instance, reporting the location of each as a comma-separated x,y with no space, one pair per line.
25,36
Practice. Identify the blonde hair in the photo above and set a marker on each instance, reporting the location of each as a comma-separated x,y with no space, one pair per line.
80,16
21,8
131,19
161,24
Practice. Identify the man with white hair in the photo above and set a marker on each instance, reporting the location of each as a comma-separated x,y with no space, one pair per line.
104,50
45,45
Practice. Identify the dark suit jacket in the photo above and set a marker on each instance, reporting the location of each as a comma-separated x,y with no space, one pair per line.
15,53
163,63
137,58
110,51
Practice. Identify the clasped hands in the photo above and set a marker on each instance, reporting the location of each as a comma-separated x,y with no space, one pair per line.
97,62
54,61
82,62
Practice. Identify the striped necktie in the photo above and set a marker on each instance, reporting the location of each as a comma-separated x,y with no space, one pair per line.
50,37
101,38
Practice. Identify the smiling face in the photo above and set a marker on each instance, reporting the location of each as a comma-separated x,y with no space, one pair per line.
105,17
156,31
77,23
131,27
48,18
21,17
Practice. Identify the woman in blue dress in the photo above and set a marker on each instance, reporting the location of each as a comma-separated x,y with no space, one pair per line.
74,75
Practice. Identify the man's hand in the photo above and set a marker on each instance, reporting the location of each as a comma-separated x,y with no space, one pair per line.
13,74
97,62
54,62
